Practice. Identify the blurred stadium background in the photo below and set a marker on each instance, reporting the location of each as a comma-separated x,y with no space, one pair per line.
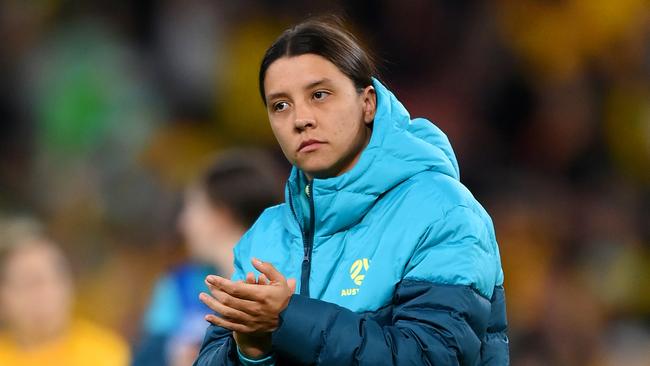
109,108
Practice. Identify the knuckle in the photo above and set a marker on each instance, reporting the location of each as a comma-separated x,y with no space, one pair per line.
257,309
234,291
211,303
265,301
217,304
214,293
225,300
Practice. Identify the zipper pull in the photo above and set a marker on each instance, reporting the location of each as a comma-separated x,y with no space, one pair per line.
305,258
307,189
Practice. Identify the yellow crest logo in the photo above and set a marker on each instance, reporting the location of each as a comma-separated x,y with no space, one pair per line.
355,270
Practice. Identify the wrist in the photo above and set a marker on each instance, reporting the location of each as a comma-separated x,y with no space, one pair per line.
253,353
266,361
253,346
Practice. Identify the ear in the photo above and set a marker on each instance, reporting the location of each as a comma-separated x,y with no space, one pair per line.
369,100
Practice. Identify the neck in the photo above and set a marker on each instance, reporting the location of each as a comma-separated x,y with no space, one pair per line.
34,338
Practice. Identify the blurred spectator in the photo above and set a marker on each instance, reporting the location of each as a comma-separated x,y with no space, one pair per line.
218,208
36,299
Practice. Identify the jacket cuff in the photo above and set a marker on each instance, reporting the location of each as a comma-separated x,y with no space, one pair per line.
301,322
245,361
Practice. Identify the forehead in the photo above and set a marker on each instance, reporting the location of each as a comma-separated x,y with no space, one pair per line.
33,257
298,72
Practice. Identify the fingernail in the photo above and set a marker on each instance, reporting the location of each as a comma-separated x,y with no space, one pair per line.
257,261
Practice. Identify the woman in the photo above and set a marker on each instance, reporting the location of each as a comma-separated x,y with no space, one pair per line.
392,260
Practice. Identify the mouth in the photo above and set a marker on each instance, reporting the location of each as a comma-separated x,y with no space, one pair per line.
309,145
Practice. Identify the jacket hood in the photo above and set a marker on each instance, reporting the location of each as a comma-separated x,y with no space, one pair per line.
399,148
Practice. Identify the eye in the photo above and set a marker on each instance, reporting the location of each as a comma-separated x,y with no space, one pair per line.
280,106
320,95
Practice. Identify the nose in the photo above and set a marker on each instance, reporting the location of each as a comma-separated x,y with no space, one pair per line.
304,123
304,118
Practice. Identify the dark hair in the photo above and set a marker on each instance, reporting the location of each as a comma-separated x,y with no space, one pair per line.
245,182
326,37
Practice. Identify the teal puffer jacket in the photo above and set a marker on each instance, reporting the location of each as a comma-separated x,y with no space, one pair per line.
396,261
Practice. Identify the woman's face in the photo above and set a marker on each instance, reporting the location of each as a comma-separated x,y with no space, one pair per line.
320,120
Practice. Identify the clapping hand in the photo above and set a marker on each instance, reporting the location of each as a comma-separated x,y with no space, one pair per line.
251,309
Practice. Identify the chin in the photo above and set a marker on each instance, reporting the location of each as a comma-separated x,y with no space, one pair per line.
312,168
320,173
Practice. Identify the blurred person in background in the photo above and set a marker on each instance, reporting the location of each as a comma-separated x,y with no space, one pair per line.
218,208
36,300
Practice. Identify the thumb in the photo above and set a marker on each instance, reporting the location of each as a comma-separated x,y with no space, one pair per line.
292,285
268,270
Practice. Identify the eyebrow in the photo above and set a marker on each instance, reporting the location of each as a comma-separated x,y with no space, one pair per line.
316,83
311,85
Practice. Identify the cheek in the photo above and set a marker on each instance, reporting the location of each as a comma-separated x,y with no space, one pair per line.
220,223
283,133
24,300
198,226
10,303
347,125
202,224
59,292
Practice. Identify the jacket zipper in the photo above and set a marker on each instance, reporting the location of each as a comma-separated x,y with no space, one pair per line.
308,241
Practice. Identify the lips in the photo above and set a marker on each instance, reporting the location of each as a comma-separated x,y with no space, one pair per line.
309,145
